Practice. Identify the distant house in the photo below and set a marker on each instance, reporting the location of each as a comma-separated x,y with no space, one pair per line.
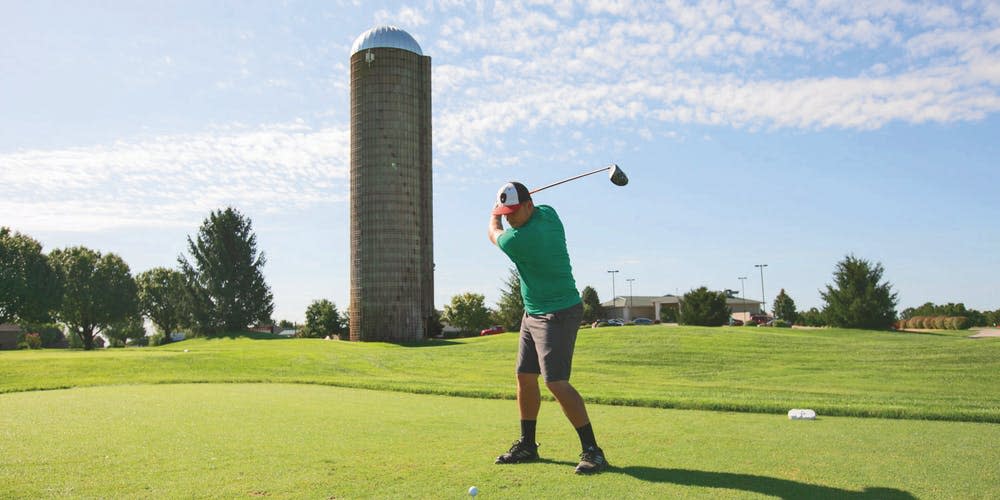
288,332
644,306
266,328
8,336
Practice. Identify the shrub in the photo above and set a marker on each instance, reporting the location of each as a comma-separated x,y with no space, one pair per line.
51,337
780,323
33,340
74,341
812,317
702,307
749,323
158,339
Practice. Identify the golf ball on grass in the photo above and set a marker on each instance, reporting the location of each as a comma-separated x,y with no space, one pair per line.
473,491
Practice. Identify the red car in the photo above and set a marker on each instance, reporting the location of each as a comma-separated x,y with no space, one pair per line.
491,330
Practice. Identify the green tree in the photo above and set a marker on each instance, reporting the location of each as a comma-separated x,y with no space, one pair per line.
467,312
704,308
858,298
784,307
668,313
98,291
162,299
322,319
510,307
30,290
812,317
225,281
592,309
992,318
130,328
434,326
929,309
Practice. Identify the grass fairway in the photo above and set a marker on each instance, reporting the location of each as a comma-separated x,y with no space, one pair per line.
763,370
246,418
302,441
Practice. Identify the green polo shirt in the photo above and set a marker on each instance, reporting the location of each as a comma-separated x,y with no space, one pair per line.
538,250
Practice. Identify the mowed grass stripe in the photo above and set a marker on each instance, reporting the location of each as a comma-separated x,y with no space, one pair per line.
764,370
299,441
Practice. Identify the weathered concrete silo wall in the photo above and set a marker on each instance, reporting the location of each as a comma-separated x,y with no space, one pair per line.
392,270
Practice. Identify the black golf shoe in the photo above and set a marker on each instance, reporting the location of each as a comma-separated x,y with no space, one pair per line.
518,453
592,461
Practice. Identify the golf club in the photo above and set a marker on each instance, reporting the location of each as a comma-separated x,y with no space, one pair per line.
616,175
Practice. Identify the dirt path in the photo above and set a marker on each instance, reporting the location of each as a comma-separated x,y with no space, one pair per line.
986,332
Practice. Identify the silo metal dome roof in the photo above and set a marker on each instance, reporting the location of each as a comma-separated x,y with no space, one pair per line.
388,37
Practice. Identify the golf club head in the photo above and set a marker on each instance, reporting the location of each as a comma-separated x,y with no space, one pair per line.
616,175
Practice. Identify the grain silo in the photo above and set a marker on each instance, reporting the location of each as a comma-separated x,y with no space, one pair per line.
392,266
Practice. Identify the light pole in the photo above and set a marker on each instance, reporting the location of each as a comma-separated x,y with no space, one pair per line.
614,301
743,287
763,301
630,280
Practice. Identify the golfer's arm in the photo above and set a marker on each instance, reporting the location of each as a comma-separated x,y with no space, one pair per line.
496,228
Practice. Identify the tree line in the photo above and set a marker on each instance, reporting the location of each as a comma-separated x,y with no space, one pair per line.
859,297
218,287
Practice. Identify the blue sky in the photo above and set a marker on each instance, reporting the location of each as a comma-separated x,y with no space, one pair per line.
786,133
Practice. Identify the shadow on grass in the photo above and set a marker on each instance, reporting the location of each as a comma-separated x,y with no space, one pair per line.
771,486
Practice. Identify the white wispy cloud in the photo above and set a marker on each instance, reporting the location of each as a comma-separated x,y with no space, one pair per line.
507,69
173,180
654,64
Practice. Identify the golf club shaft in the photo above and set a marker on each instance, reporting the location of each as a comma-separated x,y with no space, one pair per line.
602,169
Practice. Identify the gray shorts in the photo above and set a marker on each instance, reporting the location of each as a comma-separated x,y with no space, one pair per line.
547,341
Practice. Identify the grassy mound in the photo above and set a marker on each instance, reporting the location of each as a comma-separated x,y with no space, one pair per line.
761,370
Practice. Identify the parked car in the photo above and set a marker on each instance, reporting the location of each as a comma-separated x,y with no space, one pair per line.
735,322
599,323
760,319
642,321
616,322
493,330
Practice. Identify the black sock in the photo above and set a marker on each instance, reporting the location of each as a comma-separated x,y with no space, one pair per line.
528,431
587,439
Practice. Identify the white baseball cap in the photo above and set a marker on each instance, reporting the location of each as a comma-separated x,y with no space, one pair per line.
510,197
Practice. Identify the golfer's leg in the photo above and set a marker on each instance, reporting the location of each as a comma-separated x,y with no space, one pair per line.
529,397
571,402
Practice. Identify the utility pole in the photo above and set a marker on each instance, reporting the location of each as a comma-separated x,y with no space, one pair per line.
614,300
763,301
630,280
743,295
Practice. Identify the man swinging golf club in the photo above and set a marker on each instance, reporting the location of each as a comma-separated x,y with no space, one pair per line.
536,243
